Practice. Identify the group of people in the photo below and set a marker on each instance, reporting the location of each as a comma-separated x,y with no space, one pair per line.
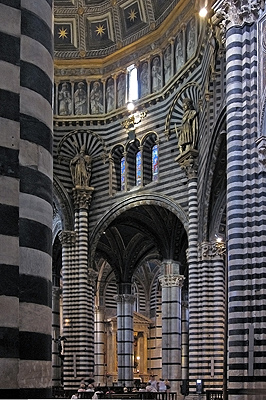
85,388
163,385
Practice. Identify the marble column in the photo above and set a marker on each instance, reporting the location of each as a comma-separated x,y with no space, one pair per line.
125,339
171,282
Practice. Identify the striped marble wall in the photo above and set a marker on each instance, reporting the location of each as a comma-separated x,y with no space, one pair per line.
246,219
26,197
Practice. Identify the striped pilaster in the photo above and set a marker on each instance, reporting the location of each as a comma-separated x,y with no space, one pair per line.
188,161
184,340
171,283
68,239
99,345
26,63
246,219
56,361
125,338
212,312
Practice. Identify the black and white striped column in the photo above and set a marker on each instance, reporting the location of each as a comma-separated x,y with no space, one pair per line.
26,76
99,346
78,299
125,339
171,282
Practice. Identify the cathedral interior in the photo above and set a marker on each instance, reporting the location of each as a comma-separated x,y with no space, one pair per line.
133,201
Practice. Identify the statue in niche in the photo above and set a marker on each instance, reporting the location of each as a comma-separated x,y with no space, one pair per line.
80,168
167,64
179,53
191,40
65,100
110,95
144,80
96,97
187,132
156,73
121,90
80,99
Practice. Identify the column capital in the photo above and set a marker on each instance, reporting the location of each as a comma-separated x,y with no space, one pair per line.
171,280
238,12
82,197
67,237
128,298
209,250
92,276
188,161
261,146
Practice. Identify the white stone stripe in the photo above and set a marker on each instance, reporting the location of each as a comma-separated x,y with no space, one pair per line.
37,157
10,20
10,196
10,76
35,318
9,253
40,8
35,53
35,208
36,263
41,109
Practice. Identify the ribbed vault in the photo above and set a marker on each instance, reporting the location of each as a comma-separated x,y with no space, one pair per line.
140,234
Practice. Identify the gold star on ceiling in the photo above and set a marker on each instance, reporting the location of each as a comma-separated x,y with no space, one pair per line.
100,30
132,15
62,33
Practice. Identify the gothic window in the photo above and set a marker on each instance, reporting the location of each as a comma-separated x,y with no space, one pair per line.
123,173
138,168
132,83
150,159
155,166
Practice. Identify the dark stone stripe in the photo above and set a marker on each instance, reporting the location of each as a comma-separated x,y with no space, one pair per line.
35,346
32,77
9,216
34,289
35,235
50,2
9,280
9,105
9,164
8,42
35,131
9,342
43,393
11,3
9,393
37,29
35,183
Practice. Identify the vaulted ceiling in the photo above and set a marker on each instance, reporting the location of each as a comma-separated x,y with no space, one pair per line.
97,28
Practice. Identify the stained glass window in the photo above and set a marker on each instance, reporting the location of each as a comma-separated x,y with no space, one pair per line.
123,173
155,166
138,169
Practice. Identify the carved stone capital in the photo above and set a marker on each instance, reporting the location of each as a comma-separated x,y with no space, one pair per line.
171,280
188,161
92,276
67,237
209,250
261,145
125,298
239,12
82,197
56,291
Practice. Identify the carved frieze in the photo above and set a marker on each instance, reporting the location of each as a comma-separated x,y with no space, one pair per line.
67,237
171,280
239,12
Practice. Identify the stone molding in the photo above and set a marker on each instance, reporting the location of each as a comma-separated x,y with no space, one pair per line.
125,298
92,276
238,12
261,146
210,250
82,197
171,280
67,237
188,161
